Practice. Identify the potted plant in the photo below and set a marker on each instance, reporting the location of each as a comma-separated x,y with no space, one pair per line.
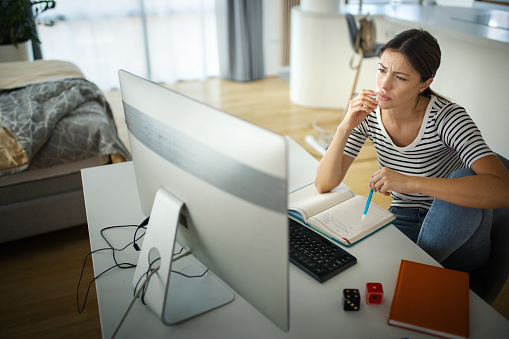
18,25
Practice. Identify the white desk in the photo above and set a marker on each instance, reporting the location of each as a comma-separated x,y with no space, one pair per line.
315,309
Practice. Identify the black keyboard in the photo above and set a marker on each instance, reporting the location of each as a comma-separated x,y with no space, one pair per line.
316,255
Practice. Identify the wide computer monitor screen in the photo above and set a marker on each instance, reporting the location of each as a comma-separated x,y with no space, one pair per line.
231,176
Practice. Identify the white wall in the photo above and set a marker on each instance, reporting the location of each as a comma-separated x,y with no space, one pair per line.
320,56
477,78
272,35
473,74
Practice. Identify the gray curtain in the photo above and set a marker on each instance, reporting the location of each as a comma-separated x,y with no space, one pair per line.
245,40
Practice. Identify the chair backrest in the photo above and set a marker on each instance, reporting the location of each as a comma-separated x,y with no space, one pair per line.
352,28
488,281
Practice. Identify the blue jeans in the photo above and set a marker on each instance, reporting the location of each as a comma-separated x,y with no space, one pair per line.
457,237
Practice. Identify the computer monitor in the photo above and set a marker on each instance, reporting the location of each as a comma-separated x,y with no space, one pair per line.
224,181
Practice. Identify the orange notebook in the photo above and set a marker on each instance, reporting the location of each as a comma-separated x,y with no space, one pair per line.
431,299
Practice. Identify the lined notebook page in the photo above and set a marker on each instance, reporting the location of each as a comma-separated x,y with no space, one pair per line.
346,218
307,201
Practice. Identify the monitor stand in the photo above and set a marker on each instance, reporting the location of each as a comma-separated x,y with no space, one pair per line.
171,296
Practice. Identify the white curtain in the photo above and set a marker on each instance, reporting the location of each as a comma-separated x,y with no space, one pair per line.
240,32
245,40
162,40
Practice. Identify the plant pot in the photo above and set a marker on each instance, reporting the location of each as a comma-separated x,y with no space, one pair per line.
23,52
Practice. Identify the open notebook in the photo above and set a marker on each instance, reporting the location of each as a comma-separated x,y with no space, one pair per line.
337,214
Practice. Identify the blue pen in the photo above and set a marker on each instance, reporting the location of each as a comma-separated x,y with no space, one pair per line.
367,203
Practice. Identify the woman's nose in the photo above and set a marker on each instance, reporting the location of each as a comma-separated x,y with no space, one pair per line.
386,83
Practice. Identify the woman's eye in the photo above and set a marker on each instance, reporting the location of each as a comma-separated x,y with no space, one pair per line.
400,78
381,70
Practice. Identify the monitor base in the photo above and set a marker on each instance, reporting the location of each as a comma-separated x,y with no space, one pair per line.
172,296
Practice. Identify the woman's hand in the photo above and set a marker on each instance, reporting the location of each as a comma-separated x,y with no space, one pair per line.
386,180
334,164
358,109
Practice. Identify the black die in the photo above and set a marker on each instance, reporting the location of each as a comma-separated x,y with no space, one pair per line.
351,299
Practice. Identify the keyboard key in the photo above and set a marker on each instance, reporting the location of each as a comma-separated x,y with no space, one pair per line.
316,255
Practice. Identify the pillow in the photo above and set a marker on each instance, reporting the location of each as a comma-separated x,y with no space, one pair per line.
13,157
22,73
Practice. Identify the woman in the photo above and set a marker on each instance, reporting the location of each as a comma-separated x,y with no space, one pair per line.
443,178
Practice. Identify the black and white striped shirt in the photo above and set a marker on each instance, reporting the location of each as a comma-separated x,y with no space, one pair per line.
448,140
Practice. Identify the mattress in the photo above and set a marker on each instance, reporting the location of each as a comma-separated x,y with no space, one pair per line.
55,171
53,123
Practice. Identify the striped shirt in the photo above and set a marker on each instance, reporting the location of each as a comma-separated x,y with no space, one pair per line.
447,141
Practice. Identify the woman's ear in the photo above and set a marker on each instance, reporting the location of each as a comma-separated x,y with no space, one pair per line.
425,84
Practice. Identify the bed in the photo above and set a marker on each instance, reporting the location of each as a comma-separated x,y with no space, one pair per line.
53,123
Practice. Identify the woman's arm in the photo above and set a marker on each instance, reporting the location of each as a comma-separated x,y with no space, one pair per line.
489,188
334,164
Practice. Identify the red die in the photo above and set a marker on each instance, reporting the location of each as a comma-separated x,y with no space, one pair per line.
374,293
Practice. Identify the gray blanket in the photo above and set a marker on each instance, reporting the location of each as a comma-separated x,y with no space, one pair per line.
59,122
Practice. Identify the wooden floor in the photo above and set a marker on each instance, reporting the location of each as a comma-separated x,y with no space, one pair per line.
40,275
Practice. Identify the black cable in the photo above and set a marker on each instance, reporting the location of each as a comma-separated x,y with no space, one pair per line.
149,270
80,310
132,302
122,265
191,276
142,225
123,248
117,264
145,286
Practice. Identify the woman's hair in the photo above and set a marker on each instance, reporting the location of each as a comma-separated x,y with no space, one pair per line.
421,50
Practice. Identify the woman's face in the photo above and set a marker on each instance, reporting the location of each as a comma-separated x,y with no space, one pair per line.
397,83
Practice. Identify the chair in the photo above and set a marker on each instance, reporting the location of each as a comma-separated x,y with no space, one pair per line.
352,29
322,142
488,281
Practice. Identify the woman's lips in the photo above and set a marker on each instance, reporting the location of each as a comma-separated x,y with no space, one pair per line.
382,97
